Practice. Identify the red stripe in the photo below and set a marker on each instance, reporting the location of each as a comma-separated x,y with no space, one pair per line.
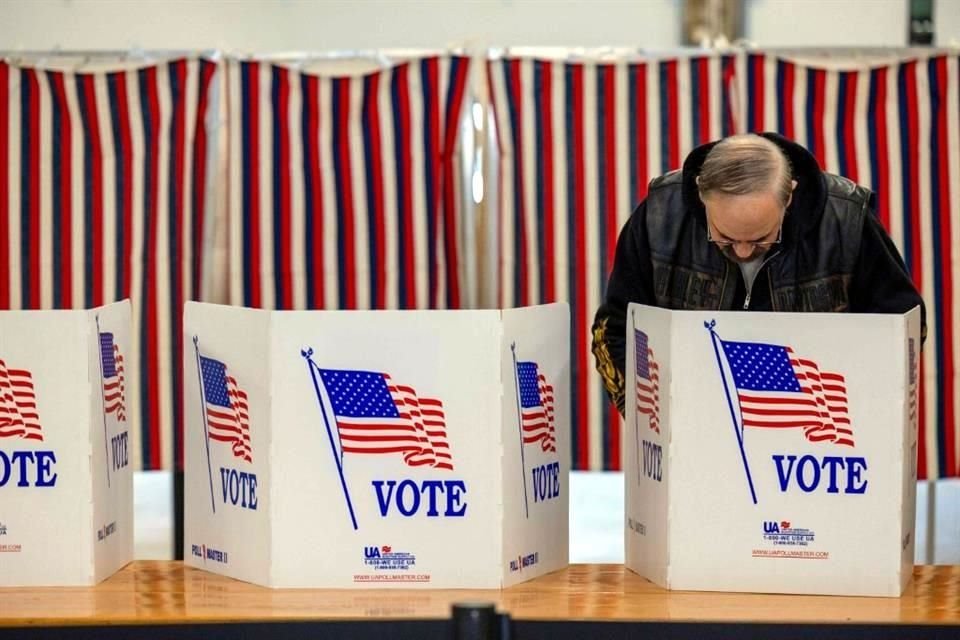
285,230
125,262
643,171
729,74
706,134
34,195
450,206
152,184
349,256
580,266
789,126
520,226
96,190
610,202
66,195
849,131
253,109
673,115
178,297
432,113
406,171
546,152
379,226
759,97
4,186
200,178
881,181
316,245
819,142
946,270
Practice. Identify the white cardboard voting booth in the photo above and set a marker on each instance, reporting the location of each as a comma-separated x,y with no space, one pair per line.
771,452
66,486
377,448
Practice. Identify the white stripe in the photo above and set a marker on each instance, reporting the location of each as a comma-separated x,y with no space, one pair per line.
236,260
162,284
13,187
829,124
685,110
590,298
895,193
861,132
328,180
298,264
111,261
927,264
77,282
361,225
560,182
188,215
389,178
46,151
530,155
507,219
418,183
264,99
953,156
137,216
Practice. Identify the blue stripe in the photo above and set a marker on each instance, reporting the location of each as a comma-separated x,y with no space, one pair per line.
87,192
781,92
573,294
372,223
309,189
403,234
119,185
843,87
339,180
429,93
810,106
174,195
148,143
905,144
58,115
538,98
278,170
602,227
246,69
939,209
751,93
664,119
632,71
696,98
872,135
725,93
518,222
25,166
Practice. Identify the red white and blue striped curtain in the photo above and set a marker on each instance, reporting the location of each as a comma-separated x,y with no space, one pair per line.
894,127
578,144
103,196
344,190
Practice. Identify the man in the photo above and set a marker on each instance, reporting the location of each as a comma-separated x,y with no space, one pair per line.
750,223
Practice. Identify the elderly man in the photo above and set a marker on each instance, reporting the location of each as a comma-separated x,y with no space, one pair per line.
750,223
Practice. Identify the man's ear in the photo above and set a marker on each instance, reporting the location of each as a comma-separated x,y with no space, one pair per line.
793,187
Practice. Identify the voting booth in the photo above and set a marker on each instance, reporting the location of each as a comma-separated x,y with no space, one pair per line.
771,452
377,448
66,485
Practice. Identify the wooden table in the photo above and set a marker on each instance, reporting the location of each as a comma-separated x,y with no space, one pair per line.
168,593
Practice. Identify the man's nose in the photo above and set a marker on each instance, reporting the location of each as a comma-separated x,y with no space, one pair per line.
743,249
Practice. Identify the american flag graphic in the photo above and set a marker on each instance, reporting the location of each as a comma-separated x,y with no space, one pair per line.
375,415
345,193
578,142
104,197
777,389
114,398
228,412
648,380
19,416
536,407
893,126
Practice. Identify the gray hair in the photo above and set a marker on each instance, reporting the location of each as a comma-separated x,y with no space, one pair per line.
743,164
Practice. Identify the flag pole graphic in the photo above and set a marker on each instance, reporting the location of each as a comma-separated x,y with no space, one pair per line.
733,416
306,353
636,413
523,464
103,397
203,412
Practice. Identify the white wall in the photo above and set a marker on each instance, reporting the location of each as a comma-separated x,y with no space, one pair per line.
855,23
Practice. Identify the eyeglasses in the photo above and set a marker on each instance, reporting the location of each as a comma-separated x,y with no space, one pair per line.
765,244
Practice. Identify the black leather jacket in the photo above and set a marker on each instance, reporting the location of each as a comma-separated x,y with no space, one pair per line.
834,256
